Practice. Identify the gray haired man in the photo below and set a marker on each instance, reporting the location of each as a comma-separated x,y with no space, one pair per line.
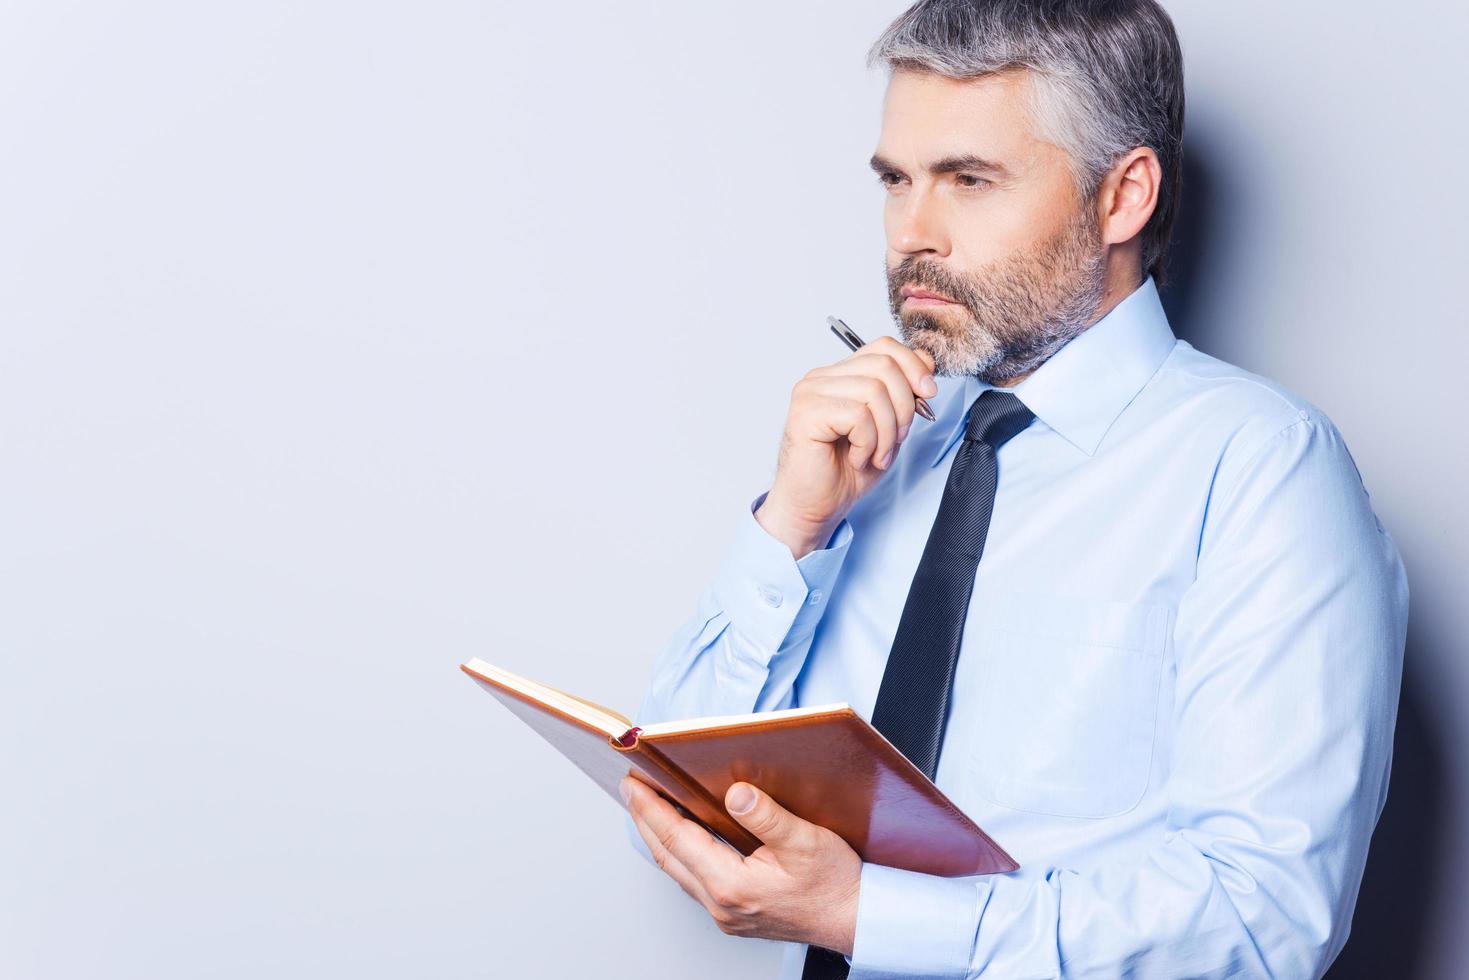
1136,595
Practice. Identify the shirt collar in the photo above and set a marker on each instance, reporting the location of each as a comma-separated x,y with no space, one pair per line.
1081,389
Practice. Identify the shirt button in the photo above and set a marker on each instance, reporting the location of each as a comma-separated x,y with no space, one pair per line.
815,597
771,596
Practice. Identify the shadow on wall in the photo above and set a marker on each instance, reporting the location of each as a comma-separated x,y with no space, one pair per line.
1186,254
1400,885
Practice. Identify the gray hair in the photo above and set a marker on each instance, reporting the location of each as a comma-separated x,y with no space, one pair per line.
1106,77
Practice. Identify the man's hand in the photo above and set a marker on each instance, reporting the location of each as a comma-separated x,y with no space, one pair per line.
800,887
842,432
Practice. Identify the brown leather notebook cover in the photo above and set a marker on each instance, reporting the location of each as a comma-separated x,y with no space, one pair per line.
825,764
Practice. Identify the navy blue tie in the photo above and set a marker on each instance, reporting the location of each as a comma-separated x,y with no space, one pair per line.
913,701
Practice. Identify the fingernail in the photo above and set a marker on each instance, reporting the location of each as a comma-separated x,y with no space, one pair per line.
929,385
903,432
741,799
625,788
886,460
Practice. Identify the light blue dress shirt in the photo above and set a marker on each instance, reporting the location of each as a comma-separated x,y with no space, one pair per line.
1175,698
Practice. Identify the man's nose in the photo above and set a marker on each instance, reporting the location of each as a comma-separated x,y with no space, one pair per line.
920,225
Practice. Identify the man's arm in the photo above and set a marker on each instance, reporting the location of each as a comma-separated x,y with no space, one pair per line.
741,650
751,630
1289,662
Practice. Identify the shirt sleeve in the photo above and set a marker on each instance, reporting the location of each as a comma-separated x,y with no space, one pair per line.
1289,659
749,635
751,629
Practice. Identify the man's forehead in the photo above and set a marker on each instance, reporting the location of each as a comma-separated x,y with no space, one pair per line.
933,116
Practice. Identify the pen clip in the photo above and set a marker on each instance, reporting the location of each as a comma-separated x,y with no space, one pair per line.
845,333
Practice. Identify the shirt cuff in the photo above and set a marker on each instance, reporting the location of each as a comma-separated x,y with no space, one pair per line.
914,925
767,594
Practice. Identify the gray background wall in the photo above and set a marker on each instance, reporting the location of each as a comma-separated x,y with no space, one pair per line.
341,342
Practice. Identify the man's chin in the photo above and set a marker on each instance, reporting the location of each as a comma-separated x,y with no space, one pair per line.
918,326
940,341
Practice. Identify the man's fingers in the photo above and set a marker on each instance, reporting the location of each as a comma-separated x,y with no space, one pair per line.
873,431
776,826
916,362
671,865
885,368
695,849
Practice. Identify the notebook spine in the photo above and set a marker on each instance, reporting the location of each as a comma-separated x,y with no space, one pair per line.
714,819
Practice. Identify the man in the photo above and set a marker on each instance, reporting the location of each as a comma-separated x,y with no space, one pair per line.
1126,603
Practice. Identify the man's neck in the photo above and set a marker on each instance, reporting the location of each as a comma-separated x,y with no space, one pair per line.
1123,279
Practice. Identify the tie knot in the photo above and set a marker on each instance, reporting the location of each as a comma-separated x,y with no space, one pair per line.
995,416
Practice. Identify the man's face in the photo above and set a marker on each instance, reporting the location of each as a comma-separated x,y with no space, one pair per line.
999,229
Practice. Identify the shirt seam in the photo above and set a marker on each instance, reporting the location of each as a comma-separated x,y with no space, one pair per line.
1227,497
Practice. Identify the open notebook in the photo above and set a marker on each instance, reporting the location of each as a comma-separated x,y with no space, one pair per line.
824,763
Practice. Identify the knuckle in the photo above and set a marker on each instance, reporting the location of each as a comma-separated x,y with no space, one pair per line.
731,922
805,843
762,822
853,412
898,370
726,894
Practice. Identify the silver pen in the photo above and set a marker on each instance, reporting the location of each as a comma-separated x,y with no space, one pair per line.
853,341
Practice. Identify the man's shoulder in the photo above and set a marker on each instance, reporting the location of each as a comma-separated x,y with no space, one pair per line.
1223,404
1227,422
1215,385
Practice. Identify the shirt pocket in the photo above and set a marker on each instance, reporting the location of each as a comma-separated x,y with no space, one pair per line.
1067,702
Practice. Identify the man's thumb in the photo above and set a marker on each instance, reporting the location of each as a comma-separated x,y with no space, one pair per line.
762,816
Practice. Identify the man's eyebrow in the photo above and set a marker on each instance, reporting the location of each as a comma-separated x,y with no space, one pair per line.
948,165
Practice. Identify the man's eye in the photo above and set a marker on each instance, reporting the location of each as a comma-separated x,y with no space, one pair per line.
887,179
977,181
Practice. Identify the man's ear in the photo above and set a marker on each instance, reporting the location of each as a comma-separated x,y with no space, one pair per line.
1128,195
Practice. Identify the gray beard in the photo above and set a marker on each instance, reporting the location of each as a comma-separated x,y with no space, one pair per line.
1015,315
